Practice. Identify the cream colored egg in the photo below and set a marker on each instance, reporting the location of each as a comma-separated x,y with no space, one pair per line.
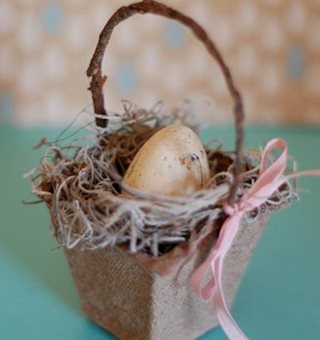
172,162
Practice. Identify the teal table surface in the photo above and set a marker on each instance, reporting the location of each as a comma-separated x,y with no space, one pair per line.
279,297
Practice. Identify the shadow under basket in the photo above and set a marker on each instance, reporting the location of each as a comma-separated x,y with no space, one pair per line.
121,295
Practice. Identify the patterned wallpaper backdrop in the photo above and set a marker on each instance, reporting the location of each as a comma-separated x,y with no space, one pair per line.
272,46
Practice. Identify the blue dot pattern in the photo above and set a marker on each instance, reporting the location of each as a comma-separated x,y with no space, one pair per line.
175,36
52,17
296,62
127,79
282,60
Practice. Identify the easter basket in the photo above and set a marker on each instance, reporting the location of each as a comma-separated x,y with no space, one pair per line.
146,265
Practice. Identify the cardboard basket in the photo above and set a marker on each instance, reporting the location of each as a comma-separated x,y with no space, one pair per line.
121,295
117,290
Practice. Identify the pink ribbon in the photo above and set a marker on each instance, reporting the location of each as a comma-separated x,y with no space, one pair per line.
270,179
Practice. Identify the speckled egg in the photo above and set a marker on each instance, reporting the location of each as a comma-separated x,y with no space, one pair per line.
172,162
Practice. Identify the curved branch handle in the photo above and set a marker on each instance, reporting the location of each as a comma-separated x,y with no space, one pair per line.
149,6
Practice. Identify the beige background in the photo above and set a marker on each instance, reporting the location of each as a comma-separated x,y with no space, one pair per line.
272,47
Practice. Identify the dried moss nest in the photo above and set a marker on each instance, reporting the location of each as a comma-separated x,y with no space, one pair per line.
81,184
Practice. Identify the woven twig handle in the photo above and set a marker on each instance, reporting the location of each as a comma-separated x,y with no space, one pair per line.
150,6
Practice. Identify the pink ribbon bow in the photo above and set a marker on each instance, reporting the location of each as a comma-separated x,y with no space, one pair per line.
270,179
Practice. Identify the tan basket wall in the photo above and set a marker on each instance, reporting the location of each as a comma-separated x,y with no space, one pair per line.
119,294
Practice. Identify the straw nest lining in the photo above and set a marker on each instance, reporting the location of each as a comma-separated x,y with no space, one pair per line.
82,187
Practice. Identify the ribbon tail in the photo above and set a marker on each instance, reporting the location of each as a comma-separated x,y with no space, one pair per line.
304,173
213,289
197,279
230,230
225,319
224,242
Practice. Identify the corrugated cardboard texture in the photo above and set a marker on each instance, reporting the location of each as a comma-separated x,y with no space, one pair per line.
122,296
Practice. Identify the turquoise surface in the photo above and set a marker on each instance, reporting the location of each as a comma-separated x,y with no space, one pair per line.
279,297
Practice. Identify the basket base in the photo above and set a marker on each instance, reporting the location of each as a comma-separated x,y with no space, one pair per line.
123,297
112,326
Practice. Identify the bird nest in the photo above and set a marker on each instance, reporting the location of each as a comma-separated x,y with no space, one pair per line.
89,205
